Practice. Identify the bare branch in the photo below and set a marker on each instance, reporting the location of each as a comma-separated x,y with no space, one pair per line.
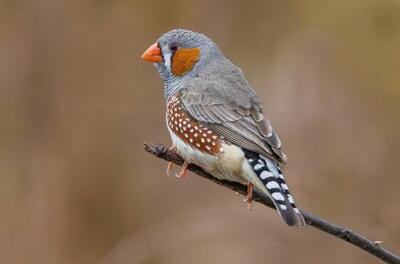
374,248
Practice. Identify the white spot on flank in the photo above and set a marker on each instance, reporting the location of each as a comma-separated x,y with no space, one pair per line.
191,140
208,147
221,149
250,160
272,184
214,137
195,127
184,122
213,143
186,135
296,210
195,135
202,140
204,135
191,130
198,145
266,174
284,186
208,140
283,207
189,126
180,120
278,196
209,132
281,176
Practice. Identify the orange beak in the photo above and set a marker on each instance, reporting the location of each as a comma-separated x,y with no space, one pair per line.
152,54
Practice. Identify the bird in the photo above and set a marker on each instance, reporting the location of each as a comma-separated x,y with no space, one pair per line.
216,120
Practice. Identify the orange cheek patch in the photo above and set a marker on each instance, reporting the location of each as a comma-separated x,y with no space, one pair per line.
184,59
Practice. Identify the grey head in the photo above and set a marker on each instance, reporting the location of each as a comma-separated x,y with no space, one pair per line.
177,67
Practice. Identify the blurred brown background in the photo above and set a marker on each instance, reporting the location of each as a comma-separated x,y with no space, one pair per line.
77,103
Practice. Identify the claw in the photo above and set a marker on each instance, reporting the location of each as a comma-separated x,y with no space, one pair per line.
169,168
184,170
249,196
172,148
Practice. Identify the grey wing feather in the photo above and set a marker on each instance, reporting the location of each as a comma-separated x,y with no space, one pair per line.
216,113
237,117
236,138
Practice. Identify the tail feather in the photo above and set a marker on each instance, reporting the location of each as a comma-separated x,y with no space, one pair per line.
270,174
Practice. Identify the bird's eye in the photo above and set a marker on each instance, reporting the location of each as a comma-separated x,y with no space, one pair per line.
173,47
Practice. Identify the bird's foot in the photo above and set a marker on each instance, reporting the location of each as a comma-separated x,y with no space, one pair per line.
249,196
184,170
169,168
170,165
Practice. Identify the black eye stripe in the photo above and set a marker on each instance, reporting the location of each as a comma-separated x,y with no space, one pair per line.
161,52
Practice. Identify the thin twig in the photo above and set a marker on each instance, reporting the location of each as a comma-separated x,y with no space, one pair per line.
345,234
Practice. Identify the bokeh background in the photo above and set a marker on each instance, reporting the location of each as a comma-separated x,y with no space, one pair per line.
77,103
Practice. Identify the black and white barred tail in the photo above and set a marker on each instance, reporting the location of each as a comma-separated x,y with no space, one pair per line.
271,176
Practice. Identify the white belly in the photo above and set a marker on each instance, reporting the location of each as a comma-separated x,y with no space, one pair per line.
229,164
192,155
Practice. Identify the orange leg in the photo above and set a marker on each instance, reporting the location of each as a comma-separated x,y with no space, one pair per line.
169,168
249,195
184,170
170,164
